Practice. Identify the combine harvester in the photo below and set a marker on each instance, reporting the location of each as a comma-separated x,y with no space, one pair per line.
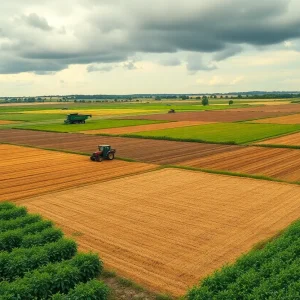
76,118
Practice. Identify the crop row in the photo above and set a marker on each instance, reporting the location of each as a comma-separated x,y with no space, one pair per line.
269,273
36,262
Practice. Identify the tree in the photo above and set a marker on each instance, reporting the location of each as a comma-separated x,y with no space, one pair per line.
230,102
205,101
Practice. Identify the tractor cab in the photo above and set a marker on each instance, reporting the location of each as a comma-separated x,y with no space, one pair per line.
105,152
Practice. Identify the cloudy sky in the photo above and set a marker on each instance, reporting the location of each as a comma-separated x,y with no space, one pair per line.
150,46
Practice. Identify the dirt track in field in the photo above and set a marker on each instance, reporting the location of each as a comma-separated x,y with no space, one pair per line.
27,171
6,122
149,127
291,119
151,151
277,163
167,229
290,140
212,116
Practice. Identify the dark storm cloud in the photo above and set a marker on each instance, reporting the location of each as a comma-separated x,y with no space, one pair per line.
113,31
38,22
195,63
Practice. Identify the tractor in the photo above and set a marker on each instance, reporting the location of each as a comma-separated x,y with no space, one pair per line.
171,111
105,152
76,118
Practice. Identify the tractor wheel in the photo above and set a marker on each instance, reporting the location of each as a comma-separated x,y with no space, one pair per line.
92,158
99,158
111,156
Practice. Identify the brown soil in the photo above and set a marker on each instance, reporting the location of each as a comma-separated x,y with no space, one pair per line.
167,229
27,171
290,140
212,116
291,119
140,128
278,163
152,151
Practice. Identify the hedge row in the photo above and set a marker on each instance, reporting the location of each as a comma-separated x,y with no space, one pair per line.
270,273
18,222
92,290
35,234
6,206
21,260
12,213
46,281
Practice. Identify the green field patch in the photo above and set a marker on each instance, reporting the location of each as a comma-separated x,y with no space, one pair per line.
227,133
30,117
89,125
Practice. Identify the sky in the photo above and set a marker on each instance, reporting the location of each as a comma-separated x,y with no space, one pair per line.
51,47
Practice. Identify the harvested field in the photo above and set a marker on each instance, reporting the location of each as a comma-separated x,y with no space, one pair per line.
139,128
151,151
291,119
166,230
290,140
286,108
27,171
277,163
6,122
213,116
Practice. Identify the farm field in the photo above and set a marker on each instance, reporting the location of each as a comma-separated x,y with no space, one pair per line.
28,171
37,262
231,115
89,125
139,128
270,272
289,140
279,163
150,151
165,230
5,122
286,108
291,119
22,117
229,133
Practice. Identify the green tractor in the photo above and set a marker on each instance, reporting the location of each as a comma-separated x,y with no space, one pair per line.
105,152
76,118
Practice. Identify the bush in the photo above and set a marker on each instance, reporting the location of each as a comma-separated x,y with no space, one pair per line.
18,222
14,238
92,290
12,213
6,205
19,261
54,278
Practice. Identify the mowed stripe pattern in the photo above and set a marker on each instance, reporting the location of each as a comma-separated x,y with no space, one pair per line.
140,128
27,171
283,164
290,140
167,229
150,151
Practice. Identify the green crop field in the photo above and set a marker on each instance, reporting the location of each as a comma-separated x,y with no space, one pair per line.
230,133
269,273
89,125
37,262
30,117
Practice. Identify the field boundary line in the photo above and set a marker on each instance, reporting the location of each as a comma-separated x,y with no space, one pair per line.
233,174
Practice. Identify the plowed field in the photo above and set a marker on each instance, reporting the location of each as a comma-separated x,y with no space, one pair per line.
169,228
286,108
139,128
278,163
212,116
291,119
27,171
291,140
151,151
